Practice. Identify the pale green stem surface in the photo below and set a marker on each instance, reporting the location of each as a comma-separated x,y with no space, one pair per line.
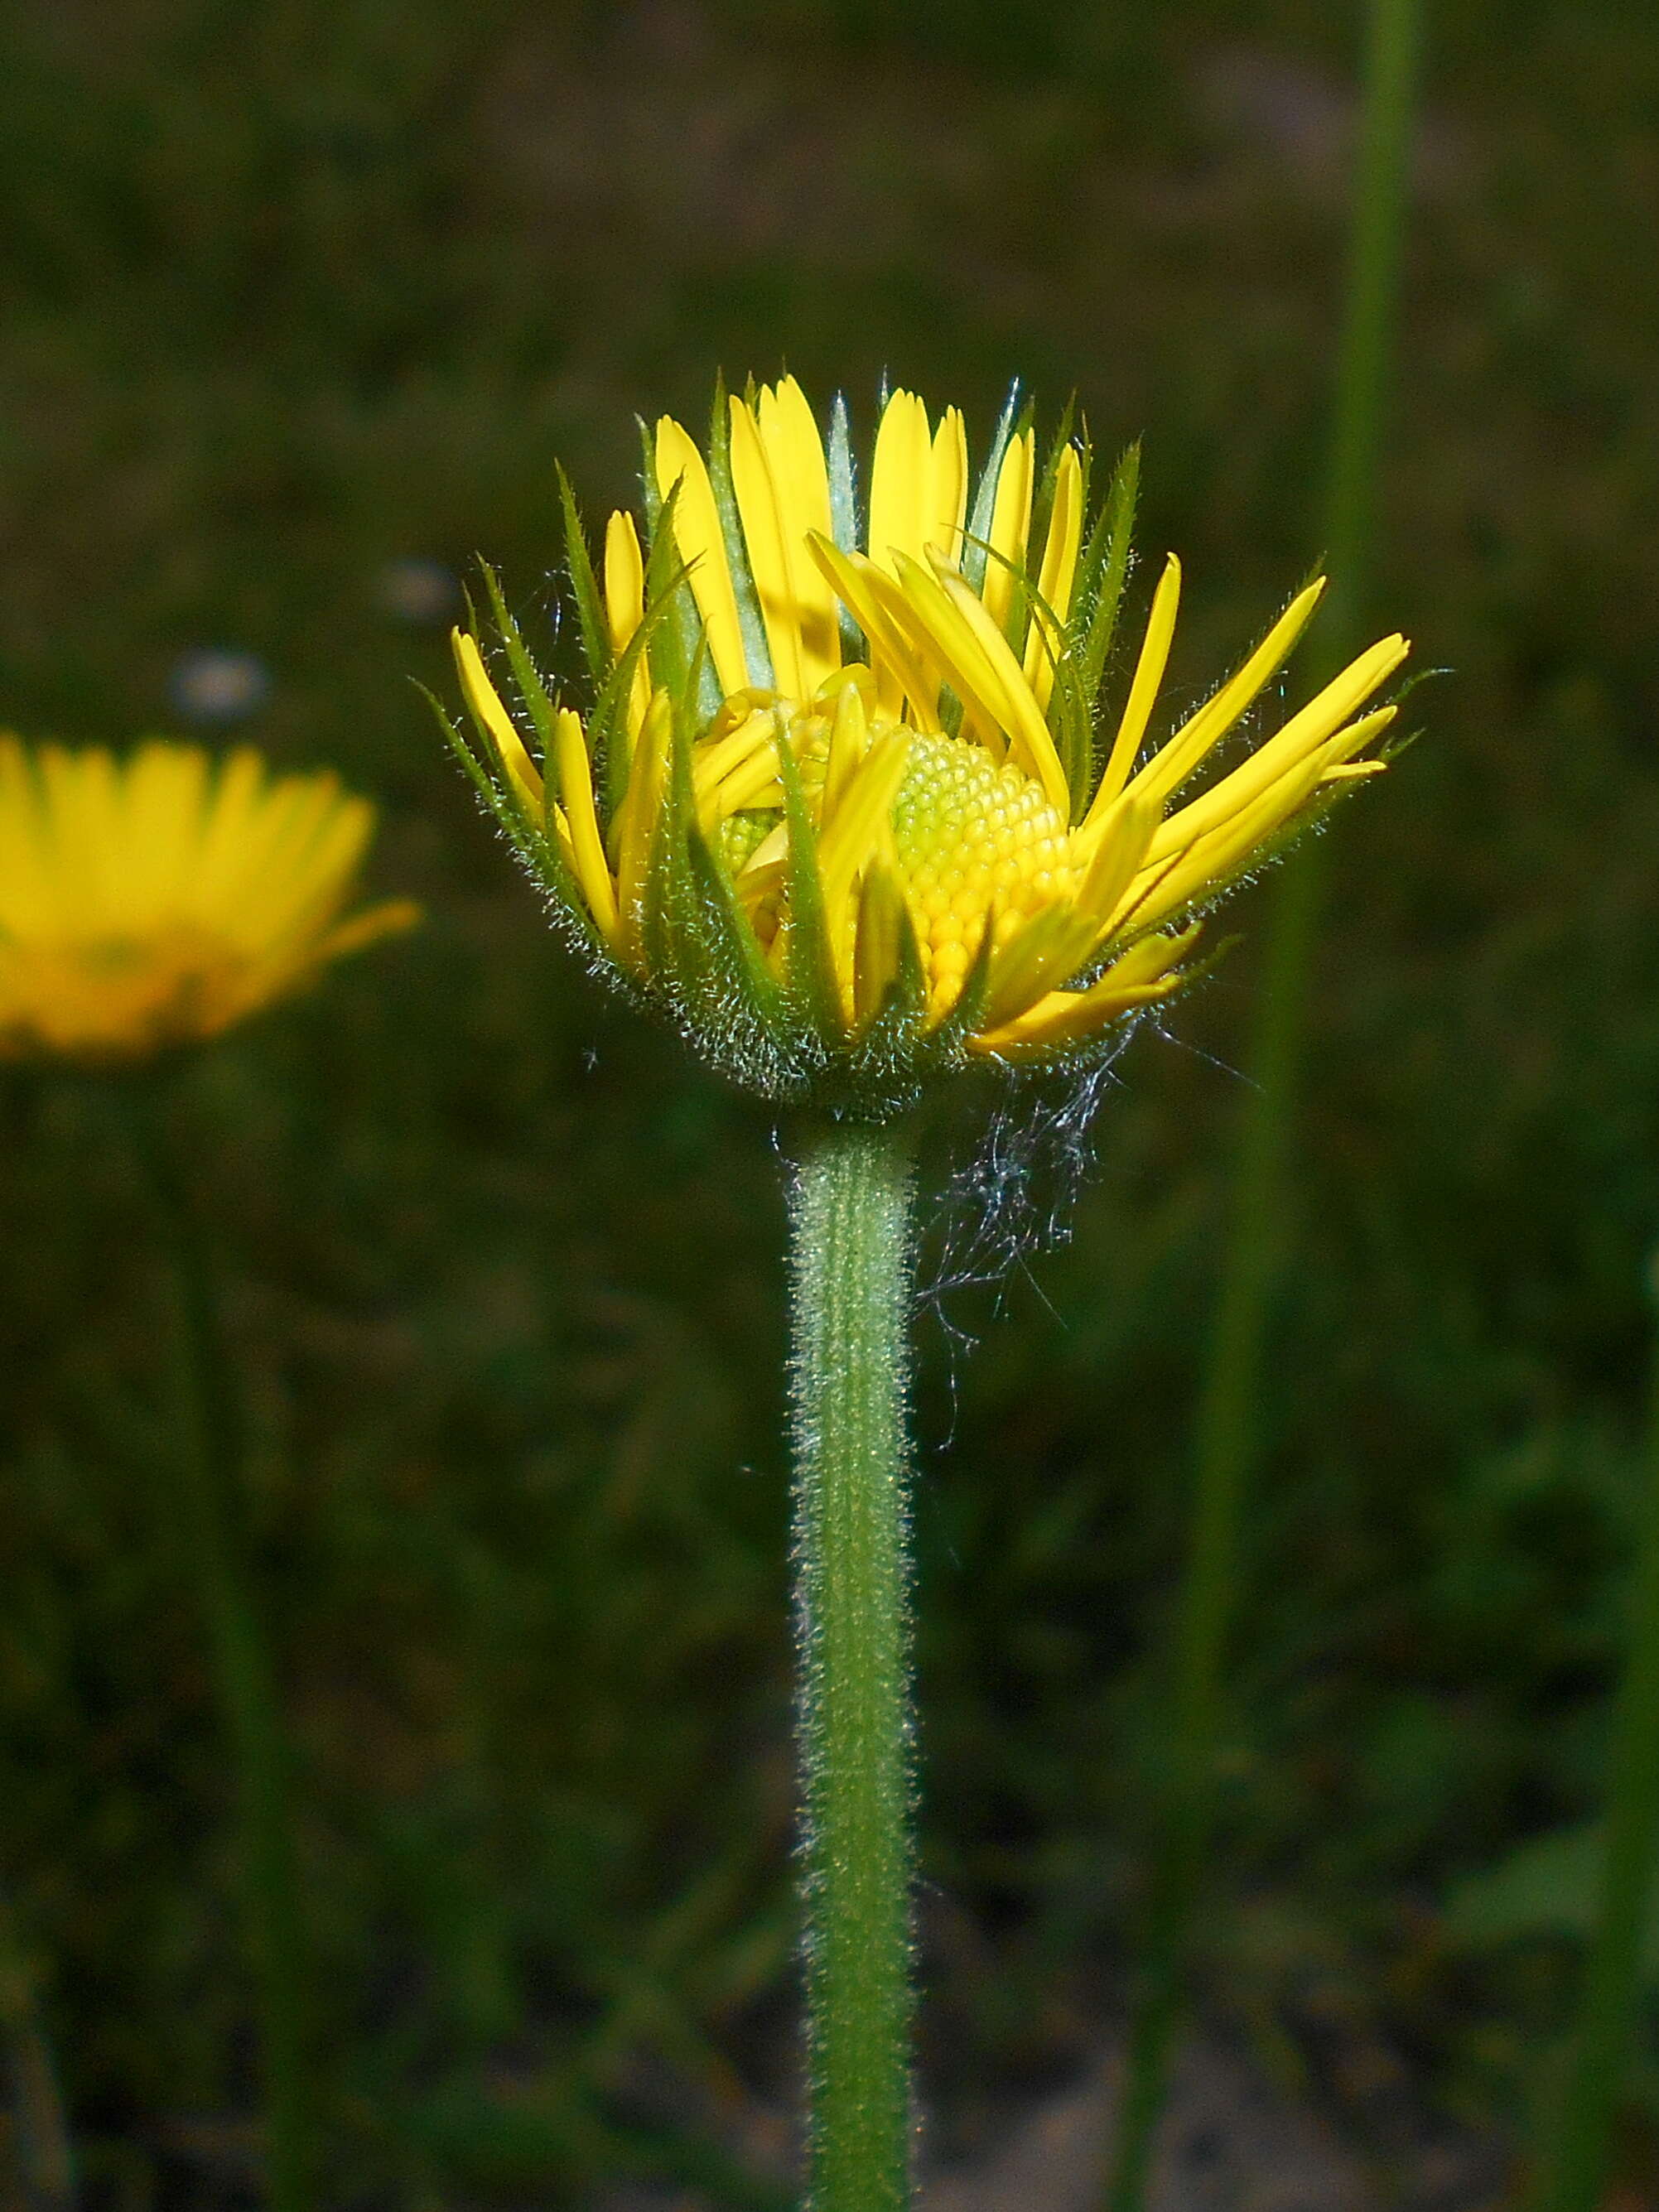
1225,1440
1572,2170
209,1464
851,1269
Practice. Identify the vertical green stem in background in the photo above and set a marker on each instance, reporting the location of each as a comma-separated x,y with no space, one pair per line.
1572,2170
1225,1432
45,2171
209,1460
851,1280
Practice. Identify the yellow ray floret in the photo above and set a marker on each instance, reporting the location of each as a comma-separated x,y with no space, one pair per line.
902,481
624,607
1010,524
154,900
702,545
898,800
1056,577
782,489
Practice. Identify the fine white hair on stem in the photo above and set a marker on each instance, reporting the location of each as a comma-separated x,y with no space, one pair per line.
1015,1193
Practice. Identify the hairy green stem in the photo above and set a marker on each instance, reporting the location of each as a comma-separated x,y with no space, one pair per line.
209,1462
1225,1439
1572,2170
851,1283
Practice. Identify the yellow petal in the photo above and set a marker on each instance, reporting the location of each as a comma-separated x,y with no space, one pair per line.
984,672
715,762
1168,885
1170,768
624,606
849,741
902,512
755,783
948,500
1011,525
624,579
872,598
77,789
1029,740
795,450
1057,575
1065,937
940,639
324,836
772,557
637,822
576,790
879,939
768,858
1053,943
154,830
1126,831
25,878
702,546
234,827
1068,1016
1151,958
1143,690
492,717
1303,735
866,804
1065,1017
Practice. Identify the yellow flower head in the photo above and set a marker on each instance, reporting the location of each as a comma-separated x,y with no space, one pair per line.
154,900
844,804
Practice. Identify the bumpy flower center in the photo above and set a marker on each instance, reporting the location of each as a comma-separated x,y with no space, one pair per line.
974,838
967,837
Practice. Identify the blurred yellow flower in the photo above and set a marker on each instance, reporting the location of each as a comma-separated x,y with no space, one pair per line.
842,803
156,900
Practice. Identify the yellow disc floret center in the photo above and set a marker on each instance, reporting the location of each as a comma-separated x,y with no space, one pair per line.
969,840
974,838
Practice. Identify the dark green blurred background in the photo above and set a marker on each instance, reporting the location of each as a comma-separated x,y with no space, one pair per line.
299,292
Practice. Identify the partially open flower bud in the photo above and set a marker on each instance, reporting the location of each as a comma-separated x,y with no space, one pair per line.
842,804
